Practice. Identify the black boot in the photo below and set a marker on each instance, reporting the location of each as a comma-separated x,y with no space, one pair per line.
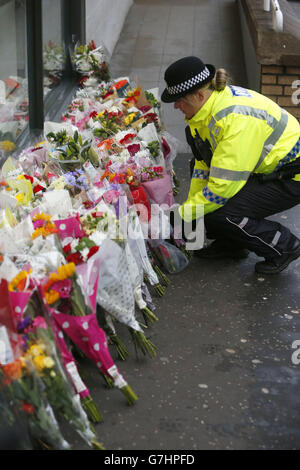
219,249
279,263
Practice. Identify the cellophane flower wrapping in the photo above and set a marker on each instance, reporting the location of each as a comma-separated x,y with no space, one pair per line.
74,312
25,388
31,326
114,293
169,256
160,190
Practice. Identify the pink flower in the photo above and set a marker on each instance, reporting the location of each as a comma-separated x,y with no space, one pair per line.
63,288
111,196
39,322
38,223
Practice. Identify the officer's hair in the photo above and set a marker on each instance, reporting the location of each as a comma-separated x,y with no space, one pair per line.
220,80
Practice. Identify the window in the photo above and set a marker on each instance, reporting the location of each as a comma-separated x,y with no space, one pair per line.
36,77
13,74
54,57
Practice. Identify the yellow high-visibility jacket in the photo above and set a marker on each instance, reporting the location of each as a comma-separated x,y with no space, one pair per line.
248,133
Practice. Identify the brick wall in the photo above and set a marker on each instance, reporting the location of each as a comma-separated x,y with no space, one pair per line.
276,83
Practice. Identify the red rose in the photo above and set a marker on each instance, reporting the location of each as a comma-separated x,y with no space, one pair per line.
29,178
67,248
107,94
92,251
37,188
165,147
144,109
133,149
127,138
75,258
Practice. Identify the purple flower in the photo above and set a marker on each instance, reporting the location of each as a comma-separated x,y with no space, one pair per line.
70,178
23,324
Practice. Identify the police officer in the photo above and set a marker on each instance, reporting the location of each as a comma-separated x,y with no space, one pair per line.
244,145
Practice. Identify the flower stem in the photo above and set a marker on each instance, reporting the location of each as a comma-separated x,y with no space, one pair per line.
159,289
161,275
91,409
148,315
109,381
121,349
129,394
142,343
188,254
97,445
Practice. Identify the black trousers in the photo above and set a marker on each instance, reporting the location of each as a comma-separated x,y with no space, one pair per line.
242,220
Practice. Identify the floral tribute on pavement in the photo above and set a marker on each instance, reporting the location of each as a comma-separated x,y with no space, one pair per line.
85,246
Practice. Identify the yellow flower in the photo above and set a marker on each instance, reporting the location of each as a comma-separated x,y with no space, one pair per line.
35,350
38,362
100,114
40,144
42,216
20,197
129,118
48,362
7,145
51,296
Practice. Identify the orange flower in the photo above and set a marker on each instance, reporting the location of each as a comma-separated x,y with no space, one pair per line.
63,272
19,282
13,370
44,231
51,296
107,144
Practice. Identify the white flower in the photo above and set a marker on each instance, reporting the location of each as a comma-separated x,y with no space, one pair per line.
114,109
98,237
74,243
84,253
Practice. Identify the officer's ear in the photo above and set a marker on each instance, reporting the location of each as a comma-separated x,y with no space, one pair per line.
200,95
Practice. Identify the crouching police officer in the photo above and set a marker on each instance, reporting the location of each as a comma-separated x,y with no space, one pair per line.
246,153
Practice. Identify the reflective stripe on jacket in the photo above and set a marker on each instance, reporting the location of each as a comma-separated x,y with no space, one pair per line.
248,133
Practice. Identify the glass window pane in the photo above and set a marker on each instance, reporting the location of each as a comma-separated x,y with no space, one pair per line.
13,74
53,46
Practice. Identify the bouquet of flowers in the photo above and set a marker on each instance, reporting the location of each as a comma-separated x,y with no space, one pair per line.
71,152
27,307
43,353
26,390
89,60
65,299
168,255
22,385
53,59
115,294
